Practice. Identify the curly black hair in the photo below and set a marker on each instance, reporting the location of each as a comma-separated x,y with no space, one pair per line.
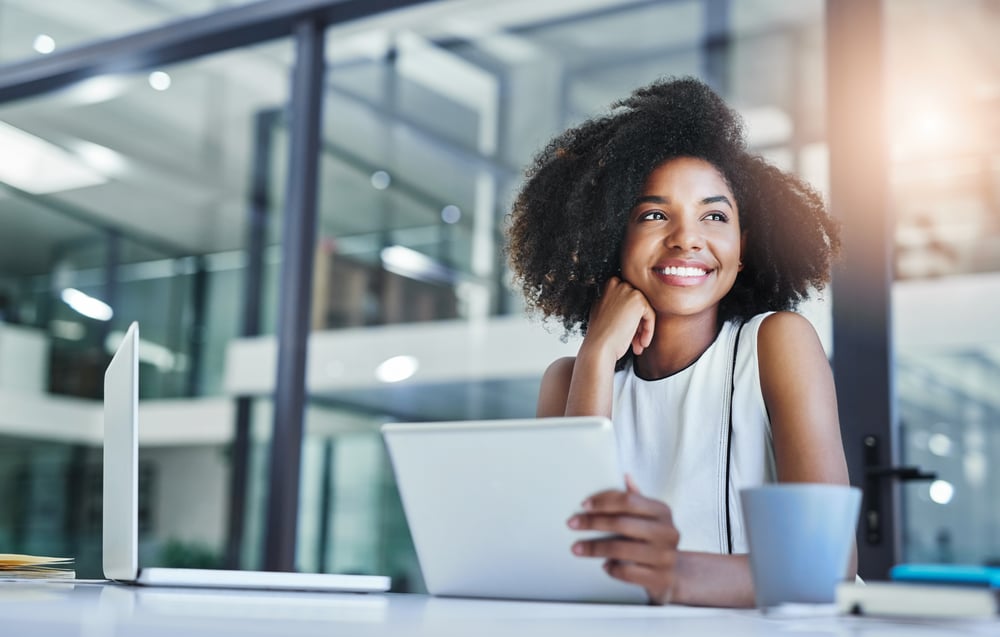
568,221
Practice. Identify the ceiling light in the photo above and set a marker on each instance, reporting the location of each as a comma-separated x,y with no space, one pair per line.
37,166
44,44
381,180
397,368
939,444
451,214
941,491
101,158
415,265
87,305
159,80
96,89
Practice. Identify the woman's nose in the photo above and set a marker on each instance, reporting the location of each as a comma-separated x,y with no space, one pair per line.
684,235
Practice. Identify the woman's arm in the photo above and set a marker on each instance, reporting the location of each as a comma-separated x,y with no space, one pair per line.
798,391
621,318
797,384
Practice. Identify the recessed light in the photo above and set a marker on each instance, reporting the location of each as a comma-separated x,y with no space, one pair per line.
87,305
159,80
44,44
381,180
40,167
451,214
941,491
397,368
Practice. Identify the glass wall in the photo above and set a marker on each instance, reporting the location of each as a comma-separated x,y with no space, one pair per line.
427,130
127,200
944,94
429,122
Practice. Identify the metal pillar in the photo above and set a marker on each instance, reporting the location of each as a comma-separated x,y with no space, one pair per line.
716,46
298,244
862,340
196,339
260,205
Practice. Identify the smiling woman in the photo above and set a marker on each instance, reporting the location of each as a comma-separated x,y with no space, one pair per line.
678,255
686,206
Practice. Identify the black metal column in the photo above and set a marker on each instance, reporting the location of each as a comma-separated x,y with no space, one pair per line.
260,205
859,194
326,497
298,244
716,46
196,338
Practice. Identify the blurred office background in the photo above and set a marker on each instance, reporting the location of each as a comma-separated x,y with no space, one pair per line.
130,196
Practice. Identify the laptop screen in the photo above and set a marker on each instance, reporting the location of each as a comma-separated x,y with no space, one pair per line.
121,460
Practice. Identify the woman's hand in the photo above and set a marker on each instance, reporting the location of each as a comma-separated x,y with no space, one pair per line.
620,318
643,549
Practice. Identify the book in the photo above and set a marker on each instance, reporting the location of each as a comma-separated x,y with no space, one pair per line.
909,599
965,574
15,566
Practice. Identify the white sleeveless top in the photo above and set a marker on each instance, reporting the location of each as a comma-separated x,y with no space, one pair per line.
673,435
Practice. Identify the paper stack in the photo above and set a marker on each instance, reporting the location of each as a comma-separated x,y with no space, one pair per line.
905,599
13,566
927,590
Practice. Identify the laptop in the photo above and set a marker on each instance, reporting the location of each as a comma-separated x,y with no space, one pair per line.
487,504
121,482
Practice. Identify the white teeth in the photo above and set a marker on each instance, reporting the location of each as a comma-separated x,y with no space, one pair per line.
682,271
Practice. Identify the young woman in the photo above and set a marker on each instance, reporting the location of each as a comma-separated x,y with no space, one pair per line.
679,256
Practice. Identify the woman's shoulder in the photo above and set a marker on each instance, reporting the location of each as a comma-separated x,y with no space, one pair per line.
782,327
560,367
784,337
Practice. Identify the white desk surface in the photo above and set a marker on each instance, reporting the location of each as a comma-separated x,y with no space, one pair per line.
108,610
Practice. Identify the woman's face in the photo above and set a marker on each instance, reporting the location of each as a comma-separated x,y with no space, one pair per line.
683,242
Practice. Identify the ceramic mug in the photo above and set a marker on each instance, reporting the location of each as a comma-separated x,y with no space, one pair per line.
800,538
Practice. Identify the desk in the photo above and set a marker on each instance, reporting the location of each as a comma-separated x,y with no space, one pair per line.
108,610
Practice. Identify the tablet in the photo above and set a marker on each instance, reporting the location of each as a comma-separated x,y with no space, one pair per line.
487,504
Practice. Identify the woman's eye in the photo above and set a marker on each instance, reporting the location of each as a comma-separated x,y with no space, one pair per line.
716,216
652,215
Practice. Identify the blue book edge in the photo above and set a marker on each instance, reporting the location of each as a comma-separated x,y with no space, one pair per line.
958,574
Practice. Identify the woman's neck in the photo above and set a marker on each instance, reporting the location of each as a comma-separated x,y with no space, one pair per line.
678,341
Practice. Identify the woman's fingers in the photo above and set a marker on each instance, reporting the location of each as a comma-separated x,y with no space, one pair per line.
630,485
616,548
650,563
622,317
644,331
633,532
620,525
627,502
639,541
657,529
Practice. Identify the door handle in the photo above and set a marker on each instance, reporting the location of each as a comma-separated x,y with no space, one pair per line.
875,473
903,474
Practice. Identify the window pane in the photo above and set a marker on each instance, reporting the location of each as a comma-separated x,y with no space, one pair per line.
137,211
426,138
945,172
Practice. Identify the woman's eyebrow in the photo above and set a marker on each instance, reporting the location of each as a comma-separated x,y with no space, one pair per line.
718,199
666,200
